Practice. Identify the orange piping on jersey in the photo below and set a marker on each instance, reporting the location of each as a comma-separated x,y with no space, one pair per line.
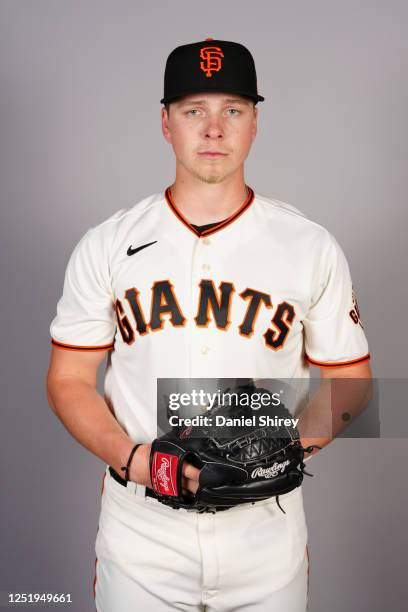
339,364
72,347
248,201
233,217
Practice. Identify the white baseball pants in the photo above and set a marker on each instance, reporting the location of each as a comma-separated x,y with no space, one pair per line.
151,558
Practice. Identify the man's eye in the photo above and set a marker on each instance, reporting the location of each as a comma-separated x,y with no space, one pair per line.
192,111
235,111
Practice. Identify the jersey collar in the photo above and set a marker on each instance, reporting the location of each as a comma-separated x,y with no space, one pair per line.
219,226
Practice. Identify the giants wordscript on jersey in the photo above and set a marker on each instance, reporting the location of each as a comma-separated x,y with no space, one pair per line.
213,308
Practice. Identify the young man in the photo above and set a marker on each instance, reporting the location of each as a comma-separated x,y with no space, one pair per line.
206,279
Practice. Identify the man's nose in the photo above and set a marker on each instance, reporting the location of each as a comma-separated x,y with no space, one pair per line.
214,127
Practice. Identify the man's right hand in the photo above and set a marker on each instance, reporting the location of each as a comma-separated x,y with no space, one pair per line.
140,471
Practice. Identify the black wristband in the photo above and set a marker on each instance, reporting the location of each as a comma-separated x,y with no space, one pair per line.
125,468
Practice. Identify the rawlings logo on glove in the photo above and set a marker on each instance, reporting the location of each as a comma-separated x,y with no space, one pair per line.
270,472
165,474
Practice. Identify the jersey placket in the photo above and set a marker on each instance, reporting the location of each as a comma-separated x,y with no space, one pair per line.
201,344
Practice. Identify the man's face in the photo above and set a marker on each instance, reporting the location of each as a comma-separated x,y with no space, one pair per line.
203,124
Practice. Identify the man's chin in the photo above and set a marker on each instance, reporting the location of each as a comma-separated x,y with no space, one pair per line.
211,178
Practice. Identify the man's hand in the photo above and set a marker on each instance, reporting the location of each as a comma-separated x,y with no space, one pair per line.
139,471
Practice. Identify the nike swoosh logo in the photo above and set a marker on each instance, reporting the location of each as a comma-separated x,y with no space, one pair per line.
131,251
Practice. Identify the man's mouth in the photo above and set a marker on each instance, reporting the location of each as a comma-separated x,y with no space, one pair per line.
211,154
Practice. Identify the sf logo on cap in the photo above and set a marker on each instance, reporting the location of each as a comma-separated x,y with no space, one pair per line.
212,60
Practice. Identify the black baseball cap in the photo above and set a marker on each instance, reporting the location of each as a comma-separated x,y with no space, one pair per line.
210,65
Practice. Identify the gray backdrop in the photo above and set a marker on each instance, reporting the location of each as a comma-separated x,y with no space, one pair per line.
80,138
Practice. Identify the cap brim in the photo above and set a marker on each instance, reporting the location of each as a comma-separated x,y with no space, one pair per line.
172,98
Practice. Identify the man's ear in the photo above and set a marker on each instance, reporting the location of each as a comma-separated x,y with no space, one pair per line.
165,124
255,123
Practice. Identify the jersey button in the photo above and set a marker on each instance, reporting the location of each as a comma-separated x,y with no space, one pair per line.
206,241
206,267
204,350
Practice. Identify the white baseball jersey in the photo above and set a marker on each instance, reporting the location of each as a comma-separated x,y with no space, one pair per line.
262,294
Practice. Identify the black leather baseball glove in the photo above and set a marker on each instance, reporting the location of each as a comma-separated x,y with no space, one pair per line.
239,463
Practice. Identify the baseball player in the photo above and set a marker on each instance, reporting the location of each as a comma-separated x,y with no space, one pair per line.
205,279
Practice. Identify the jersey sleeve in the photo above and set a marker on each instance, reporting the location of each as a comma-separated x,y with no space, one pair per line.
85,318
334,333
